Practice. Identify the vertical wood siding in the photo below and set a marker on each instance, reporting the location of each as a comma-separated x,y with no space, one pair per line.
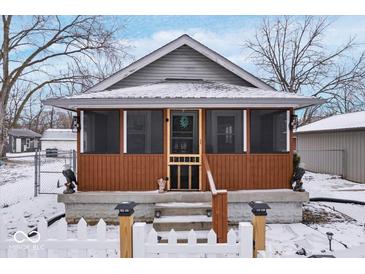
118,173
255,171
183,62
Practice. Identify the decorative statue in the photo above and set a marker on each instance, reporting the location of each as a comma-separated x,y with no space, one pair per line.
298,174
161,185
70,178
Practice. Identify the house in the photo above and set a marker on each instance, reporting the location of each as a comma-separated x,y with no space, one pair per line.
335,145
171,114
22,140
59,138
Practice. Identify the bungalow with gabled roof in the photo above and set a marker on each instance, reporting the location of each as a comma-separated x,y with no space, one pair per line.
188,115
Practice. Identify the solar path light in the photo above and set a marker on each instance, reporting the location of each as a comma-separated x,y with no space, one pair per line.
329,237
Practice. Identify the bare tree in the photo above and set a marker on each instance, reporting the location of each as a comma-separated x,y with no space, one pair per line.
294,57
38,52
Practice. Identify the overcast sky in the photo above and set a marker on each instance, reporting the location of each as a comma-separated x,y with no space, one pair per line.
224,34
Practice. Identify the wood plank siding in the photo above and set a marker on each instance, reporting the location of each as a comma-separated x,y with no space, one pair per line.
99,172
255,171
182,63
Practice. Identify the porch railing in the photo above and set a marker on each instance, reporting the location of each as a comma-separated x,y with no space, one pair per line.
219,206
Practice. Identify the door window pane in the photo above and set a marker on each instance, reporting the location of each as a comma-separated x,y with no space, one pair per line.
101,131
224,131
184,132
145,131
268,131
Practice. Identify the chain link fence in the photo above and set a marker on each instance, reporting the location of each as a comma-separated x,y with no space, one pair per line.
48,166
27,175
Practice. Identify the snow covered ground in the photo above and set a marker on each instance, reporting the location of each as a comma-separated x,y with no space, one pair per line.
346,221
17,199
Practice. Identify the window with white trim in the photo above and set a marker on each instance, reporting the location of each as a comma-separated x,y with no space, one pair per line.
224,131
269,130
143,132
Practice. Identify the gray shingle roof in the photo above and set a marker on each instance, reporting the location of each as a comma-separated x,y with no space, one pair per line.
23,132
185,94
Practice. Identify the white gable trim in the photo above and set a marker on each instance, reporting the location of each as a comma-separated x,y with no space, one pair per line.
182,40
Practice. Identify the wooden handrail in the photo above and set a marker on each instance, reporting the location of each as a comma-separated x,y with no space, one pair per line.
219,206
209,175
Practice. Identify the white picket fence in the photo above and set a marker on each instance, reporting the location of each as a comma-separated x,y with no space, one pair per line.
44,245
58,242
146,245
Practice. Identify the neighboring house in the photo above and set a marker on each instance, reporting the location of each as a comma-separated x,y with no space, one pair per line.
335,145
61,139
22,140
168,115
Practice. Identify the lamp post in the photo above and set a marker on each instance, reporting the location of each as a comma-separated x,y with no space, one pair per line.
258,223
330,237
125,213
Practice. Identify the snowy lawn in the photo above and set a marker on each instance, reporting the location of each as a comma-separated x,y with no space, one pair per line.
17,190
346,221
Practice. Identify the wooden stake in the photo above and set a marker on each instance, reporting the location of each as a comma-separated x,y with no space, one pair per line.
259,230
125,232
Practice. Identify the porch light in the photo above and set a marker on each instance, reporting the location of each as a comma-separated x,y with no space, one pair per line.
126,208
75,126
293,121
329,237
259,208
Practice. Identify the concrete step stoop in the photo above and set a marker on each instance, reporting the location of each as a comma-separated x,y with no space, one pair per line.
182,217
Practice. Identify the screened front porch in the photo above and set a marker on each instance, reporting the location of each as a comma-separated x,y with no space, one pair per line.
129,149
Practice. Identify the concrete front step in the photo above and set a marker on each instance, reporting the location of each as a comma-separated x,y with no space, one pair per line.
182,223
180,209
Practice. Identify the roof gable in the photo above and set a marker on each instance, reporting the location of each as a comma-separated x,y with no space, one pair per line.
171,52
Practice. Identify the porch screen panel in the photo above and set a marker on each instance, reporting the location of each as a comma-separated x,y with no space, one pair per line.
268,131
224,131
101,132
144,131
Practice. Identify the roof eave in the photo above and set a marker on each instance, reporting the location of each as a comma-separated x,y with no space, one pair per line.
83,103
330,130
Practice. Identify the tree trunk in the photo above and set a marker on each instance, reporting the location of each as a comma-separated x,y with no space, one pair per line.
3,131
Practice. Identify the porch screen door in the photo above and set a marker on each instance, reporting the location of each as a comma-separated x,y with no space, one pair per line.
184,158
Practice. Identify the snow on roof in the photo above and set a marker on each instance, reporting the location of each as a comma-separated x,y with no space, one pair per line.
58,134
23,132
353,120
186,90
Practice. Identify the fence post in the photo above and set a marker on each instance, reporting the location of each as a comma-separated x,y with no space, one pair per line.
126,210
74,160
259,225
245,236
139,231
35,173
